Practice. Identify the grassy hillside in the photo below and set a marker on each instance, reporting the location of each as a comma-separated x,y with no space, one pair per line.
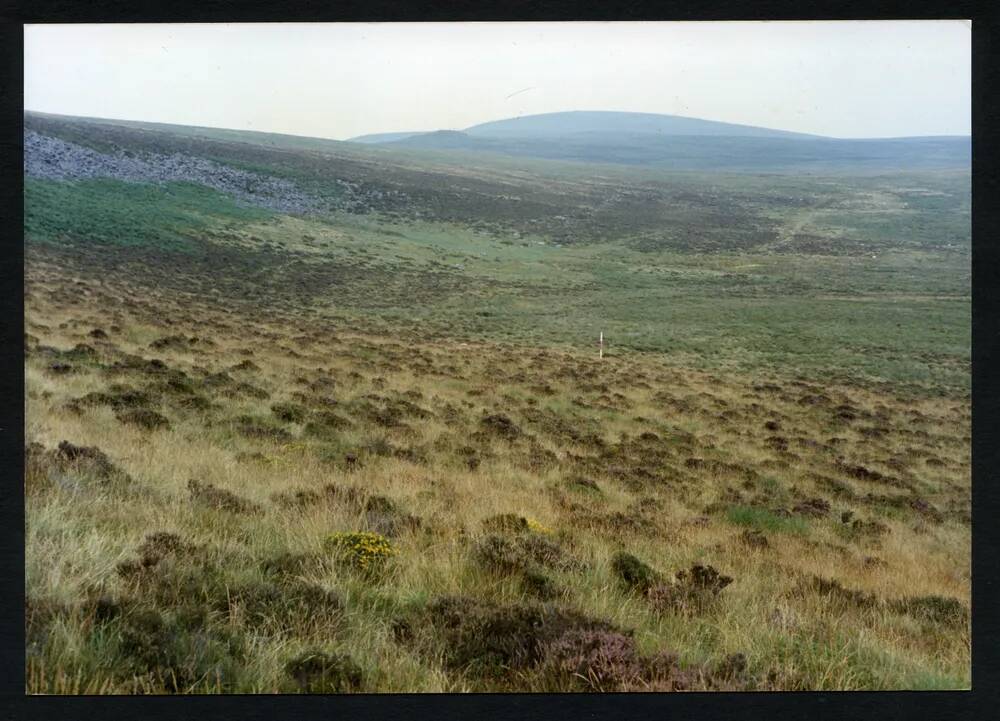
708,152
371,447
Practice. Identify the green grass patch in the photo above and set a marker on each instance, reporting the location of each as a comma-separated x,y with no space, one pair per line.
762,519
113,212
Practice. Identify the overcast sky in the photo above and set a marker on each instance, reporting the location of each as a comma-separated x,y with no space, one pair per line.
338,80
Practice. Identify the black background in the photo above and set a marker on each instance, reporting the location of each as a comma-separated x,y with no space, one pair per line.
981,703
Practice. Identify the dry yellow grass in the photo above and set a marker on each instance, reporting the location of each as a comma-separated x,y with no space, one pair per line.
710,470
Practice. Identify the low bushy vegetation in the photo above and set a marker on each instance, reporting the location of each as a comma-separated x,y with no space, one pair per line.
371,453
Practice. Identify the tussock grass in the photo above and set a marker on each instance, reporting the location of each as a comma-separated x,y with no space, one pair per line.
675,486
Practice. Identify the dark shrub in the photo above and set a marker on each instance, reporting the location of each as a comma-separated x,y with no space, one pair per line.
488,640
593,660
545,552
732,667
934,609
869,528
285,606
107,609
814,508
499,554
538,585
662,672
177,579
382,515
585,484
842,596
320,672
506,523
161,544
324,424
500,426
173,342
143,418
257,429
379,447
520,553
179,652
208,495
193,402
704,577
154,549
633,573
89,460
81,352
117,397
301,498
90,456
925,509
289,412
347,495
288,564
693,591
247,390
754,539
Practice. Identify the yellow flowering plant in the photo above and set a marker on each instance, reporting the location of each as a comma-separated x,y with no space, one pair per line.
363,550
537,527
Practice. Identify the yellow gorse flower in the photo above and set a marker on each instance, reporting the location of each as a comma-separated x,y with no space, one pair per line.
537,527
362,549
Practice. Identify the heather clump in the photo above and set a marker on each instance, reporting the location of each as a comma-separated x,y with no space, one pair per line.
520,553
506,523
143,418
176,651
385,517
692,591
632,573
205,494
289,412
933,609
321,672
487,640
592,660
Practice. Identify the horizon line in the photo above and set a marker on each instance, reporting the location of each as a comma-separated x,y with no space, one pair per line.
813,136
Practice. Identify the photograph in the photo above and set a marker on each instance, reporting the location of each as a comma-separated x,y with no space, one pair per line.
497,357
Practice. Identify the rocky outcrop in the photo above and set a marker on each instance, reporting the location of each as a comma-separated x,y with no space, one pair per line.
57,159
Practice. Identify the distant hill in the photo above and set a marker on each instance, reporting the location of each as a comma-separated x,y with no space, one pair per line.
716,153
383,137
547,125
683,144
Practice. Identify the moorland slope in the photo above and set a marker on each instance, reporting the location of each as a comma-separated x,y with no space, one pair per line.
326,417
